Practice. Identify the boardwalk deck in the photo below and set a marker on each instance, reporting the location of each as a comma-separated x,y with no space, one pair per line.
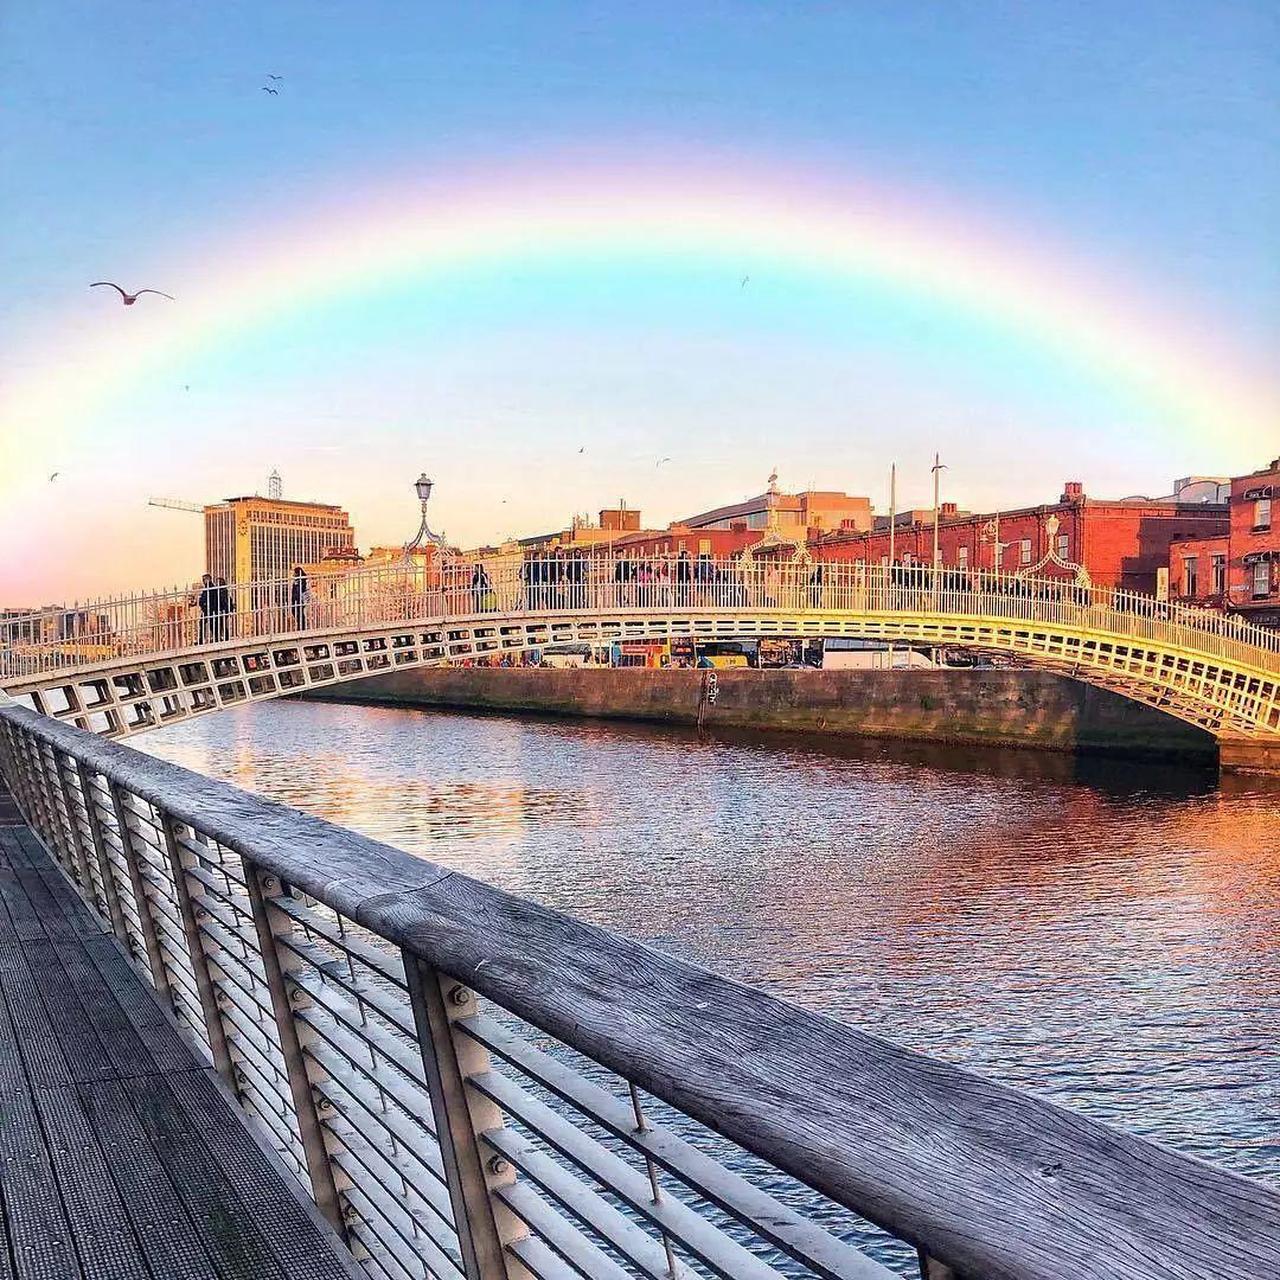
120,1155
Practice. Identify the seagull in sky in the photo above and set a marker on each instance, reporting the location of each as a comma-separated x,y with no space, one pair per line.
54,476
128,298
266,88
583,449
661,461
271,77
745,280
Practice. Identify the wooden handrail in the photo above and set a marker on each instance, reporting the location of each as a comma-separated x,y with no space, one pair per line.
991,1180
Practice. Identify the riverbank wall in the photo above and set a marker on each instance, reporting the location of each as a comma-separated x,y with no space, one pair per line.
983,706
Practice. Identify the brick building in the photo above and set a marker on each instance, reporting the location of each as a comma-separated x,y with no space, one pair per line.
1253,564
1238,569
1120,543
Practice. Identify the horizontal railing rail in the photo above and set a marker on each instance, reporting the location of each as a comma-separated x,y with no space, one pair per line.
86,635
615,1112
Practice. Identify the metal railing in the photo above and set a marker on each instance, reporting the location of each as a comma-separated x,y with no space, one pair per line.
473,1085
88,635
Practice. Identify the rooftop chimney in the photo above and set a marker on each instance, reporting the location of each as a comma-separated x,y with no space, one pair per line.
1072,491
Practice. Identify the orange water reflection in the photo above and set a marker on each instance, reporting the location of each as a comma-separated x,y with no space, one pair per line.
1105,932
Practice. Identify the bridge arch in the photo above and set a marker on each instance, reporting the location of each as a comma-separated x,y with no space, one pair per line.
134,675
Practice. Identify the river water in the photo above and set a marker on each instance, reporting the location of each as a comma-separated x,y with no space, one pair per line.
1102,932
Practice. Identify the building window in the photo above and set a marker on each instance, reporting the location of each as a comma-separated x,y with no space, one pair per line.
1261,579
1218,575
1190,579
1024,551
1064,546
1262,514
962,558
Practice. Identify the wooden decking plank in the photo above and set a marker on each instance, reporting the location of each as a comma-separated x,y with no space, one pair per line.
140,1006
85,1055
38,1043
27,924
158,1214
53,909
39,1234
225,1226
6,1261
17,850
85,920
123,1046
30,842
100,1227
10,814
303,1243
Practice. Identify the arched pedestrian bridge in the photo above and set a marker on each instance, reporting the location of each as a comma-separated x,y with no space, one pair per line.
124,665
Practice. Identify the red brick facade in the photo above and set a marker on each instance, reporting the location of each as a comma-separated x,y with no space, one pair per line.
1198,571
1120,544
1253,569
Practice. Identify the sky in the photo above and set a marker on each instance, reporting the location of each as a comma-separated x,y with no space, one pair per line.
533,249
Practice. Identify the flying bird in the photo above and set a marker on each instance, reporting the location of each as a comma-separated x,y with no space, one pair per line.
266,88
128,298
271,77
583,449
661,461
54,476
745,279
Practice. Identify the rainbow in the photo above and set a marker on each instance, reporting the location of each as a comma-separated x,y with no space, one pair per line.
1114,335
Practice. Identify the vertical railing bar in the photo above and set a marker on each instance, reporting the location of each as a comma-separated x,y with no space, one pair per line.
115,912
142,901
642,1126
18,775
77,836
269,922
57,828
485,1226
199,956
39,818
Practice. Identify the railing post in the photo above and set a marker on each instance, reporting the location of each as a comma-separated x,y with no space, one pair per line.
42,818
79,857
179,861
932,1269
484,1224
19,773
142,900
109,891
271,923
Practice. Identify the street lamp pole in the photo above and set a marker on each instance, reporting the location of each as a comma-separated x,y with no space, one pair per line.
937,469
423,486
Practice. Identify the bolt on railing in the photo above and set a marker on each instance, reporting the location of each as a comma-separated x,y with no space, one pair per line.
608,1111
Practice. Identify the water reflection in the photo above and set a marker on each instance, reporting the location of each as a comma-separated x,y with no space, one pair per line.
1103,932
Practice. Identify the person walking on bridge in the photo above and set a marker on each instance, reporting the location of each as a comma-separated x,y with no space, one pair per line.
206,597
482,589
224,609
299,594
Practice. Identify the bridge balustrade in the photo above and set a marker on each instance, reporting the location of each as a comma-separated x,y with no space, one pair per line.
85,635
473,1085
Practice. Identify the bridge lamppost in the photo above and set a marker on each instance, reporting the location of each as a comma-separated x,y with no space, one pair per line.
423,487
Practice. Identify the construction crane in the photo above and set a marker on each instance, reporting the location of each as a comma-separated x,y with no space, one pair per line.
175,504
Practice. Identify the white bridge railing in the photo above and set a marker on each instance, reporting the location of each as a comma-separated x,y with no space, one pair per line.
475,1087
87,635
